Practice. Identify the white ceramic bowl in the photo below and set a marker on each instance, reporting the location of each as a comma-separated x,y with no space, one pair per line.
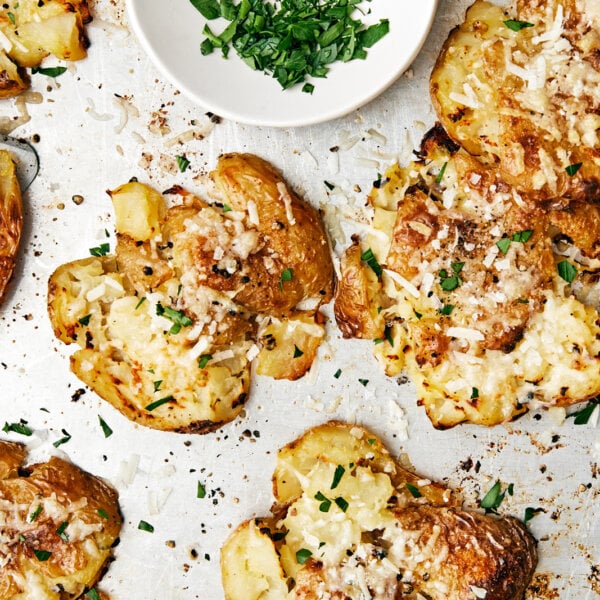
171,32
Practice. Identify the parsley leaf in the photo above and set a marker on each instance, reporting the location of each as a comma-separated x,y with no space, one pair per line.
49,71
303,555
515,25
492,500
413,490
337,476
368,257
101,250
566,271
572,169
179,318
145,526
17,428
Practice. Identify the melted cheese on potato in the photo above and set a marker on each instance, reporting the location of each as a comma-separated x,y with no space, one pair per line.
357,525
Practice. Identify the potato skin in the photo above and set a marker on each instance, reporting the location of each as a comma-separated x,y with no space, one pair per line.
11,219
298,243
77,497
54,27
406,537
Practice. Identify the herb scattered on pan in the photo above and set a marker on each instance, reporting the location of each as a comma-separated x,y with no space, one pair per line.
49,71
17,428
530,512
583,416
201,491
105,428
63,440
101,250
182,163
290,40
145,526
492,500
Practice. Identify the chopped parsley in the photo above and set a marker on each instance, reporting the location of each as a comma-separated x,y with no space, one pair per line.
572,169
63,440
286,275
449,282
289,40
387,332
11,16
140,302
368,257
566,271
583,416
42,555
145,526
520,236
153,405
337,476
308,88
20,427
530,512
182,163
303,555
337,374
474,393
157,384
200,491
297,352
413,490
102,513
85,320
342,503
446,309
440,175
364,382
36,513
93,594
325,502
105,428
492,500
61,531
503,244
515,25
179,318
101,250
227,208
203,360
49,71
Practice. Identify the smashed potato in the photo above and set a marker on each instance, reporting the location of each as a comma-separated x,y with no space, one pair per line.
11,218
31,30
168,326
523,86
462,285
349,522
57,527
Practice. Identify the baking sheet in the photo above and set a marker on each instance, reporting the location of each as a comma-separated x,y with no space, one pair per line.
100,124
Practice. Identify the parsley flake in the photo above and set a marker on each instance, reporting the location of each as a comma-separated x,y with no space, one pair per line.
325,502
145,526
413,490
572,169
515,25
342,503
42,555
583,416
201,490
101,250
85,321
566,271
36,513
17,428
106,430
297,352
337,476
337,374
61,531
63,440
530,512
492,500
153,405
179,318
203,360
182,163
49,71
440,175
102,513
368,257
303,555
93,594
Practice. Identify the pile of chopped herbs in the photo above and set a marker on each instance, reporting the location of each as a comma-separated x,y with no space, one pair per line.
292,39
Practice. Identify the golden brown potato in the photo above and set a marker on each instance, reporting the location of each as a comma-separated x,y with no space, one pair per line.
529,98
349,522
294,262
165,332
33,30
58,525
11,218
469,289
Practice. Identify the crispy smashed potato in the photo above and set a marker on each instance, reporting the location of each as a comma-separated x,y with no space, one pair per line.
11,218
523,86
168,326
57,527
349,522
33,30
467,292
